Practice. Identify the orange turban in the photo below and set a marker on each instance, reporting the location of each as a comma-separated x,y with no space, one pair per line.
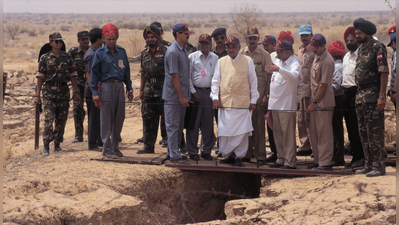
336,48
286,36
110,29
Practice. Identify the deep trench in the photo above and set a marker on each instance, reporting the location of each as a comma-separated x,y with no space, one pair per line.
197,196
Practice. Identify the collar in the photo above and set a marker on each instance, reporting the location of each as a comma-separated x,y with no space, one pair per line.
338,61
92,47
107,49
51,53
288,61
238,55
323,55
202,54
178,45
257,50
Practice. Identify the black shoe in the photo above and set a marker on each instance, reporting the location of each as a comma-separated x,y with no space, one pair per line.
180,161
358,162
118,153
110,156
311,166
207,157
57,147
276,165
140,140
245,160
163,143
304,153
260,162
237,162
335,163
77,139
394,144
230,160
167,157
143,150
194,157
375,173
288,167
365,170
272,158
323,168
219,155
46,150
183,150
96,149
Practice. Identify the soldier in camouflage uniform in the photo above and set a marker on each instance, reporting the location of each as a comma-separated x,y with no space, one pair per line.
219,36
371,76
152,78
77,54
55,70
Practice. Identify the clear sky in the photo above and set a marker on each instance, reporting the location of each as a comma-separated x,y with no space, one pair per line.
200,6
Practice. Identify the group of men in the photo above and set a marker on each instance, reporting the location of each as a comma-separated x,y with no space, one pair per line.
246,86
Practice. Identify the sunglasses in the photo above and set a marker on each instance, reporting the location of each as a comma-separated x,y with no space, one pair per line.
217,38
57,41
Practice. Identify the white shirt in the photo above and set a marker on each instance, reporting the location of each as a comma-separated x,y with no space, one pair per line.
284,85
235,121
348,71
337,78
273,55
199,63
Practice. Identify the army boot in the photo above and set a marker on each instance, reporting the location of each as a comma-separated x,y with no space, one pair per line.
46,150
57,147
377,172
365,170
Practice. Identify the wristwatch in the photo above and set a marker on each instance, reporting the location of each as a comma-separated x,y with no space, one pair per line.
314,101
381,97
131,91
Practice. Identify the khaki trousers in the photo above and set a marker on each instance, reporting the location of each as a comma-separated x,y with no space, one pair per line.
321,136
304,125
284,137
256,144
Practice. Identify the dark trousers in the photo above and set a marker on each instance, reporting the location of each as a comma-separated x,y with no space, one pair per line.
352,123
338,130
272,144
93,118
152,112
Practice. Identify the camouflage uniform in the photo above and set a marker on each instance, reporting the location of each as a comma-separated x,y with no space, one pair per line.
56,72
190,48
78,110
370,63
152,67
224,53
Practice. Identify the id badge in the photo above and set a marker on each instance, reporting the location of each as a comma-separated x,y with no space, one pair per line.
203,74
305,60
120,64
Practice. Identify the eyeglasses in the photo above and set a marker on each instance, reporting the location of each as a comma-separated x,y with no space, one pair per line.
217,38
57,41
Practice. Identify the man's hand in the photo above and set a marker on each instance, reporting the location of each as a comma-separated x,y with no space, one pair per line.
311,108
184,102
393,98
141,96
215,104
37,99
197,98
77,98
272,68
130,96
381,104
265,101
252,107
96,99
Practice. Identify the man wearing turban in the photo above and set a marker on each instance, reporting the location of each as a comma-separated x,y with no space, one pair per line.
337,51
371,79
111,68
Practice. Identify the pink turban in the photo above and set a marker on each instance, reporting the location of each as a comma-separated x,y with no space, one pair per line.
336,48
110,29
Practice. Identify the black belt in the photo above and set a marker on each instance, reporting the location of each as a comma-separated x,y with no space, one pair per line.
112,81
363,86
202,89
350,89
57,84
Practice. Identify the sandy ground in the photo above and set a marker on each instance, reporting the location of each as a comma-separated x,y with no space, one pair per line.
31,183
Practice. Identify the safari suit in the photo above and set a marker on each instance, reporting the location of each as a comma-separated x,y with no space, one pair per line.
152,67
56,72
371,61
78,110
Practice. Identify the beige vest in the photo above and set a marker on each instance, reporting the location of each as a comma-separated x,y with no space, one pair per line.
234,84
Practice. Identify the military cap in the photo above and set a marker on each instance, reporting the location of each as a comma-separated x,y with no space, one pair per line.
55,36
365,26
283,45
205,38
83,34
232,40
157,24
218,31
152,29
182,28
252,31
268,39
392,29
305,29
316,41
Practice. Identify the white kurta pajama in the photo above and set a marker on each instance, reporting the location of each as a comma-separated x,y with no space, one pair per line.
234,125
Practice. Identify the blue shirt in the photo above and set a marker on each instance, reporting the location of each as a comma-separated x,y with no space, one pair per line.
176,61
110,66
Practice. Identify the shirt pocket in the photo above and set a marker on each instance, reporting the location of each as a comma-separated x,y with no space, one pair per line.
258,67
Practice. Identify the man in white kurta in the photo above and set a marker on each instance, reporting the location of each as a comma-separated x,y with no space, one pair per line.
285,95
234,92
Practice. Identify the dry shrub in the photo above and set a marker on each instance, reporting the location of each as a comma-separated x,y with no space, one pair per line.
135,44
6,153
